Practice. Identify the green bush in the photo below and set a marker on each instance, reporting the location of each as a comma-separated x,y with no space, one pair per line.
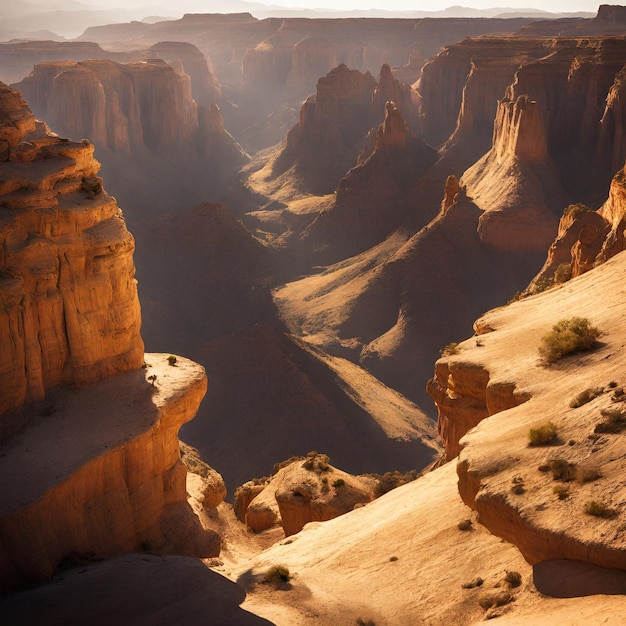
568,335
171,359
543,434
561,491
340,482
514,579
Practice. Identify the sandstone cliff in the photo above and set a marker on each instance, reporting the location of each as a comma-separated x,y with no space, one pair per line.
92,472
70,311
500,474
585,238
160,149
98,473
332,125
515,183
269,66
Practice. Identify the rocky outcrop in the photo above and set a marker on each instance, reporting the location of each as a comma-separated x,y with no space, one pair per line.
375,196
112,482
17,58
611,142
585,238
563,499
306,490
332,125
464,396
516,184
159,148
120,107
460,87
70,308
186,58
405,98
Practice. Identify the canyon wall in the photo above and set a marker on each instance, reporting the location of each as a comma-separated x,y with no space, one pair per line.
516,183
88,428
160,149
70,308
118,106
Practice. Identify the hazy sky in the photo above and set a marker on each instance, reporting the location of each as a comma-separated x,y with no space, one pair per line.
436,5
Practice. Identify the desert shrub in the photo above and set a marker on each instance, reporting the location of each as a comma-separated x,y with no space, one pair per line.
277,574
475,582
585,396
514,579
340,482
292,459
562,470
568,335
494,598
598,509
393,559
316,462
542,434
85,142
561,491
451,349
562,273
465,524
390,480
614,421
518,486
171,359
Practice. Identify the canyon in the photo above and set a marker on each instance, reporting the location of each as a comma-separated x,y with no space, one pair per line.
358,232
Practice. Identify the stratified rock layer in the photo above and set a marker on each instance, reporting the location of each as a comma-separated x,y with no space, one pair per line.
70,311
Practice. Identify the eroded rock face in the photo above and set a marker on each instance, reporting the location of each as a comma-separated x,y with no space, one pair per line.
118,106
562,499
70,308
375,196
586,238
332,124
516,183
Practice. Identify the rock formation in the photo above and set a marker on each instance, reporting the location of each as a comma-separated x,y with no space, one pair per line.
18,58
546,514
376,195
306,490
70,311
158,146
332,126
585,238
117,106
92,472
515,184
